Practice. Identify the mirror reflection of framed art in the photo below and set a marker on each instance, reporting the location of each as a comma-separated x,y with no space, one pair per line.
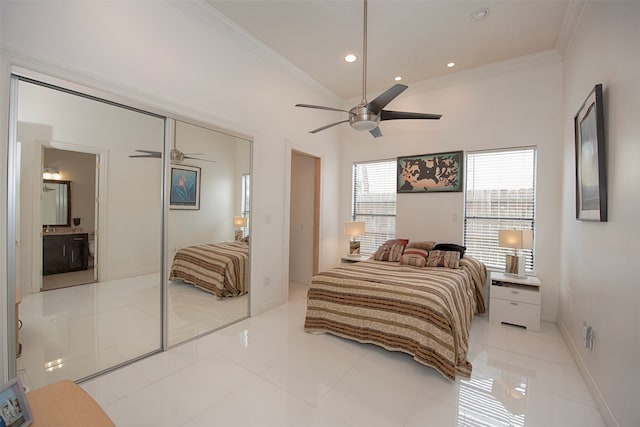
185,187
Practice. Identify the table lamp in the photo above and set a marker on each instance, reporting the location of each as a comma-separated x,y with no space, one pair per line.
516,240
239,222
354,229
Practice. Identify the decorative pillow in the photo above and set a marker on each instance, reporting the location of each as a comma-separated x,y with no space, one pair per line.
415,257
402,242
388,253
450,247
413,260
427,245
246,239
448,259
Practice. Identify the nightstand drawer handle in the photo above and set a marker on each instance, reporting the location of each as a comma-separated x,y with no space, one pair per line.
514,303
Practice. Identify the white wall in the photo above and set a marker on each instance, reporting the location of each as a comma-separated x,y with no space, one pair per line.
601,265
182,58
515,103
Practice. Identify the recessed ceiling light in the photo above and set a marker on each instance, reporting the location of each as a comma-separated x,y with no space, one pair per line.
480,14
351,58
398,78
451,64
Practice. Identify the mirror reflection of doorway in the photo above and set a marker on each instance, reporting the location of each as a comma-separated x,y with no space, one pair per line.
69,219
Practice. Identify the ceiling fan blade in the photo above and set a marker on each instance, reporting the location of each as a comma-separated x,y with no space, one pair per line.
320,107
376,132
198,158
147,153
144,156
402,115
328,126
385,97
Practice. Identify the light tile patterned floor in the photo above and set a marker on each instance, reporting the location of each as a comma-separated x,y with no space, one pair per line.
266,371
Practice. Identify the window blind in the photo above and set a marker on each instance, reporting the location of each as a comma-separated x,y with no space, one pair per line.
500,194
374,202
246,195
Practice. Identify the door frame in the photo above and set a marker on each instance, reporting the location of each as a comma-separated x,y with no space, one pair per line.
101,157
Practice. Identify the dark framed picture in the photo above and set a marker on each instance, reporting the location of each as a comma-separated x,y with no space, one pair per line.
591,163
430,173
185,187
14,407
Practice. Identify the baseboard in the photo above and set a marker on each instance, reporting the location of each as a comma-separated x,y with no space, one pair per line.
599,400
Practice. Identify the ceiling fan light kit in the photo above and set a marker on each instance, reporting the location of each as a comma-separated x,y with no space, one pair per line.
367,115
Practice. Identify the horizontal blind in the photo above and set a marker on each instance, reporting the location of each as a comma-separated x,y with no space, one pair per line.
374,202
500,194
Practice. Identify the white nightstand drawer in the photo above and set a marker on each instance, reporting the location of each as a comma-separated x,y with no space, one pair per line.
515,313
516,292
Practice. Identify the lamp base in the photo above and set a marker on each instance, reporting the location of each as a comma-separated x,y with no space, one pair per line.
354,248
238,235
514,266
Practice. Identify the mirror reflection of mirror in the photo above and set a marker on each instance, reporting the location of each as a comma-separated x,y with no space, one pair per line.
203,301
56,203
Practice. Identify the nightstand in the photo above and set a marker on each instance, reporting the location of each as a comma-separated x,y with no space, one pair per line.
348,259
515,300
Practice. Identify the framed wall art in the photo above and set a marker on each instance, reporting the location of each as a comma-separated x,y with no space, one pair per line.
591,165
430,173
14,407
185,187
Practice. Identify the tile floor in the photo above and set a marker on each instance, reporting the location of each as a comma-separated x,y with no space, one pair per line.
73,332
266,371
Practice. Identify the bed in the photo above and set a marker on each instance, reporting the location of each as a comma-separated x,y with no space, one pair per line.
424,312
219,268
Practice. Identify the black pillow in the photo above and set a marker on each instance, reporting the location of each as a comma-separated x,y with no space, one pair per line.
450,247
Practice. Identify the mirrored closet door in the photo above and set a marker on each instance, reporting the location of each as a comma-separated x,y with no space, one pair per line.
115,240
85,207
208,231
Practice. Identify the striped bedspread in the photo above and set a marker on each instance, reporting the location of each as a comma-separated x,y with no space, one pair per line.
424,312
219,268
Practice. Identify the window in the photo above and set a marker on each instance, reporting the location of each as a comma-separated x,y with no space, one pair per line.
246,196
374,202
500,194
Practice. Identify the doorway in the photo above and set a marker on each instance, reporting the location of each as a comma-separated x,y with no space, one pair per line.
69,218
304,217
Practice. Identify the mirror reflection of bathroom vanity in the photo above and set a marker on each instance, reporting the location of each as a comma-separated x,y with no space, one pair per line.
63,248
64,252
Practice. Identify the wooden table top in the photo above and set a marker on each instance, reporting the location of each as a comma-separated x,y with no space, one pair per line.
65,404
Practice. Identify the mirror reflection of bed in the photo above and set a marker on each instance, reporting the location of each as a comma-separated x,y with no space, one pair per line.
208,287
207,267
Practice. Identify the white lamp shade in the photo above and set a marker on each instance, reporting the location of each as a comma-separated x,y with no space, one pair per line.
354,228
516,239
239,221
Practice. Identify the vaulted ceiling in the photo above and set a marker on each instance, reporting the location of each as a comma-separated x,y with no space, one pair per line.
414,39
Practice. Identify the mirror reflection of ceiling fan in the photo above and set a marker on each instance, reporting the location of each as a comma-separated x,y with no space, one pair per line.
177,156
368,115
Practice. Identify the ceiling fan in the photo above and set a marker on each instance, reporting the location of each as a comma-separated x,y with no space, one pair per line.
368,115
176,155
